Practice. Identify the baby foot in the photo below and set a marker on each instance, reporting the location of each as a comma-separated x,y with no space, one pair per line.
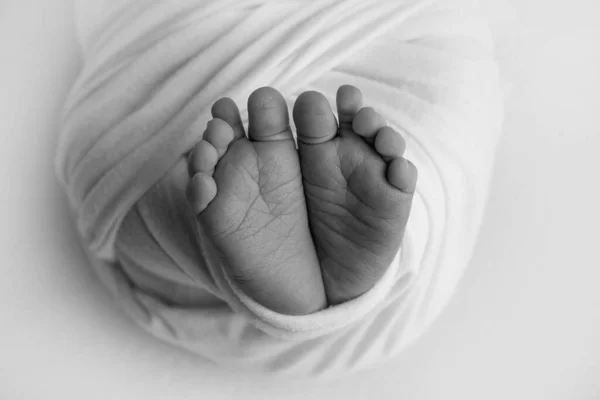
358,189
247,194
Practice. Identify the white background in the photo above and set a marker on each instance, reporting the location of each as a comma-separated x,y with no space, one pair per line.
525,323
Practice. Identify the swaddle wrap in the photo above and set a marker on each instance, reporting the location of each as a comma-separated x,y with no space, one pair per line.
151,71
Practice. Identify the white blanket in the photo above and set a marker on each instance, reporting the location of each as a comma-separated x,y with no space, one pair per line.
151,72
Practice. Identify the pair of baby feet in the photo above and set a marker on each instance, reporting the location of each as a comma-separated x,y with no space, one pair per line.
301,226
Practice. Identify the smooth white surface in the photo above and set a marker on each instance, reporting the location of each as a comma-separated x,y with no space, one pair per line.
524,324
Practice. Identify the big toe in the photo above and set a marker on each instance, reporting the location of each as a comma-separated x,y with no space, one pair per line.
268,117
315,122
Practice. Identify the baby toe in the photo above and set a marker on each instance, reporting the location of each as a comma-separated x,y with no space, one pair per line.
402,174
220,134
203,158
201,190
349,101
226,109
389,143
268,116
367,122
314,119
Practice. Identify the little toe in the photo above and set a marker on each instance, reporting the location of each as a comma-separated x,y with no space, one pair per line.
228,111
201,190
315,122
349,101
203,158
402,174
389,143
367,122
268,117
220,134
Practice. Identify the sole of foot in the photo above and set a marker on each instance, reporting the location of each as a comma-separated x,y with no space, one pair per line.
358,189
246,191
